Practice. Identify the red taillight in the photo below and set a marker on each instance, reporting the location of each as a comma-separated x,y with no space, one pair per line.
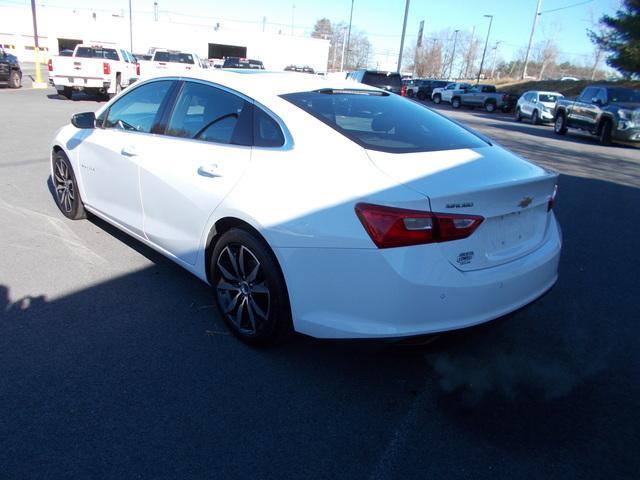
552,198
138,69
50,65
106,68
397,227
403,91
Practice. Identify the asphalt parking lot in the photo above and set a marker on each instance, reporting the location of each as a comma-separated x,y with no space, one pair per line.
115,364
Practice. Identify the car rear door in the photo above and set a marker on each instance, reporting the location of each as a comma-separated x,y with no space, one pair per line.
187,172
110,154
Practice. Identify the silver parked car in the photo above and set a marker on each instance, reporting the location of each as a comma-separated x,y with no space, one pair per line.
538,106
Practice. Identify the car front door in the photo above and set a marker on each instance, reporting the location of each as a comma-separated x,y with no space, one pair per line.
578,112
593,109
108,154
189,170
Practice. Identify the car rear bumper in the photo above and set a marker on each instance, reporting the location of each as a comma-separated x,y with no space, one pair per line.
398,292
79,83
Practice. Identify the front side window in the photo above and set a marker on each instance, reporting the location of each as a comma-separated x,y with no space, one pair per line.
203,112
137,110
549,97
588,95
388,123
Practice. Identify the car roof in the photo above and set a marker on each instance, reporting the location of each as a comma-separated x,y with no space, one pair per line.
261,84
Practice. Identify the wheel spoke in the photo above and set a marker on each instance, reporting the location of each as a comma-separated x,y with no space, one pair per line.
254,273
63,195
67,202
241,262
70,192
232,303
58,178
258,310
252,318
260,288
240,312
59,188
224,285
234,262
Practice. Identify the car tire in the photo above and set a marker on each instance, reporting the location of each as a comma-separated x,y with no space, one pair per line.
15,81
66,188
66,92
437,99
604,134
490,106
518,115
560,124
249,288
421,96
410,94
535,118
455,102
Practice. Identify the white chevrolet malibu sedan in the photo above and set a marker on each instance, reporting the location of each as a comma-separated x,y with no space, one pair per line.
313,205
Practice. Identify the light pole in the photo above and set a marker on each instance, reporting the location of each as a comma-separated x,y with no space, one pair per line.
404,29
453,54
348,34
533,31
130,29
486,42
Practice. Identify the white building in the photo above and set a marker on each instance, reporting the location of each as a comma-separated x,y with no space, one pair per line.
63,28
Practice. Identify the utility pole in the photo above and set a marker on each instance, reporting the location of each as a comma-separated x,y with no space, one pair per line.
533,31
486,42
38,83
495,54
418,46
293,15
404,29
130,29
264,23
453,54
348,35
344,44
155,11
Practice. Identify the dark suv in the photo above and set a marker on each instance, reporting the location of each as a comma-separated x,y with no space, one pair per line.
391,81
10,70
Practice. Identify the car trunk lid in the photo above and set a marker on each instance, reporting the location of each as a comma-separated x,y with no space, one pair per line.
511,194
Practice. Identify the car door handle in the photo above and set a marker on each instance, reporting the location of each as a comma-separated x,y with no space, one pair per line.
210,171
129,151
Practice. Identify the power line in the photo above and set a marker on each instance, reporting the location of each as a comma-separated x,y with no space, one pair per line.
564,8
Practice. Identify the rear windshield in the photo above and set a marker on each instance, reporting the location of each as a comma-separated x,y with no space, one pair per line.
174,57
547,97
90,52
382,79
384,122
623,95
244,63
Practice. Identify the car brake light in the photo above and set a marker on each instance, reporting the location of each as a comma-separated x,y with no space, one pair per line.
397,227
50,65
106,68
138,69
552,199
403,91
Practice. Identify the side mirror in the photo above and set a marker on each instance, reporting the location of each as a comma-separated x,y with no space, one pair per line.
596,101
534,100
84,120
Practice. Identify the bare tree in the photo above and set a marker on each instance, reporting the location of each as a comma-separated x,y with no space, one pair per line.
546,54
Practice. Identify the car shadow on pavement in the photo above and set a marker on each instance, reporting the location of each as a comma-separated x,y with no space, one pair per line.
138,376
77,96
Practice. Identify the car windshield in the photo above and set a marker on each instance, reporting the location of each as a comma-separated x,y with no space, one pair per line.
384,122
624,95
174,57
247,63
549,97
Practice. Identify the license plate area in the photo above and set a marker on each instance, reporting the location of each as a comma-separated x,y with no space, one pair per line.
510,230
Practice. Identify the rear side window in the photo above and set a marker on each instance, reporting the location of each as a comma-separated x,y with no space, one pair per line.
203,112
384,122
266,131
547,97
137,110
382,79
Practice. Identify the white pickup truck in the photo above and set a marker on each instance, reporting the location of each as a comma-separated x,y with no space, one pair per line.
94,69
170,62
444,94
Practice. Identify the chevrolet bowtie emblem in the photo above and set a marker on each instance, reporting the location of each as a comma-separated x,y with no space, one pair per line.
525,202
